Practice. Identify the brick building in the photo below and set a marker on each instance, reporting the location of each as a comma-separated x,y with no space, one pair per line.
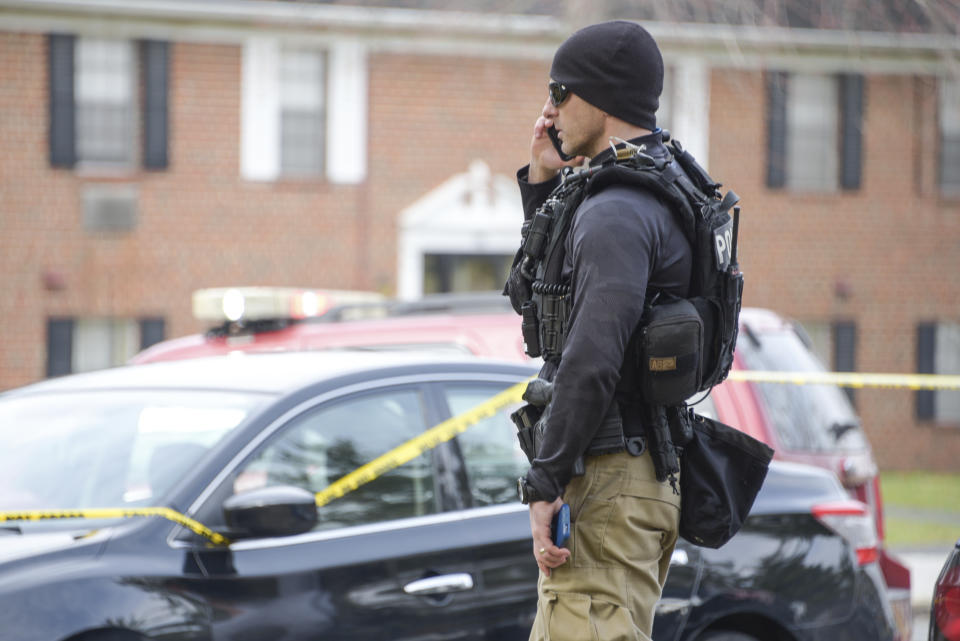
155,147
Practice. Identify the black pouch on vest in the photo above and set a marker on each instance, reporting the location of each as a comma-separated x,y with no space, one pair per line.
721,471
671,353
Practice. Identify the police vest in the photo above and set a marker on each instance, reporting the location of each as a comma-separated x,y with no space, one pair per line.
683,345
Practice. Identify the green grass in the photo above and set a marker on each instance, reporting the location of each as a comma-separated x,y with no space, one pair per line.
934,502
922,490
916,533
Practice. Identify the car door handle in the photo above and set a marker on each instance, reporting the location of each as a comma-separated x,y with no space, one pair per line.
440,584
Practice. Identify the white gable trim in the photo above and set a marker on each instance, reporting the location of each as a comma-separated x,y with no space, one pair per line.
472,213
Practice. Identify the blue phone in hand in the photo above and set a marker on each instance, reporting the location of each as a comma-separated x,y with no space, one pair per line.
560,528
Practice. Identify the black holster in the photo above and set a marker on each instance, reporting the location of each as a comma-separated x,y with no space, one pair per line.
669,430
527,420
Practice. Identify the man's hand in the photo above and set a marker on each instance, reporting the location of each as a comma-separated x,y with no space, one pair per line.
545,162
546,553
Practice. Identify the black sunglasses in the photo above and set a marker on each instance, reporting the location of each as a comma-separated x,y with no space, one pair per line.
558,92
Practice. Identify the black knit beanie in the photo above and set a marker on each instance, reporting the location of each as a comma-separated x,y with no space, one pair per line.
615,66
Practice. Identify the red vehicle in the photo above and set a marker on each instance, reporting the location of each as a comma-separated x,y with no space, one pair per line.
481,325
813,424
945,610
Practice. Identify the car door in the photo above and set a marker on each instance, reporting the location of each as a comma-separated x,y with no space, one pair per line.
384,562
508,573
492,462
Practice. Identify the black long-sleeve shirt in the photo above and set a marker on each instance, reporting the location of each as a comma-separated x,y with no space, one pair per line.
622,241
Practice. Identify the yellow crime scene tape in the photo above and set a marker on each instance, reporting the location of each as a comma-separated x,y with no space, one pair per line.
118,513
451,427
851,379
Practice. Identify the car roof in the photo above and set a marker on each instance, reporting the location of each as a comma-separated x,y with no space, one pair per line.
271,373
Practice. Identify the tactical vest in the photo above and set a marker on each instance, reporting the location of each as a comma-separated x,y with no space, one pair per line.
683,346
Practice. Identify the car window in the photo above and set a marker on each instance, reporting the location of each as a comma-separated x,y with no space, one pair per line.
810,418
490,448
325,444
112,448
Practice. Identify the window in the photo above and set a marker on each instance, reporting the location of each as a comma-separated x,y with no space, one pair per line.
301,113
465,273
97,115
323,445
950,136
490,448
814,131
105,78
86,344
938,352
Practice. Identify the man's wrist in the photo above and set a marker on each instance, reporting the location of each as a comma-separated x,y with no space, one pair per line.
530,494
538,174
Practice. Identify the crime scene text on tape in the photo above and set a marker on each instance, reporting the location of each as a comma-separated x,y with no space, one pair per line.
851,379
118,513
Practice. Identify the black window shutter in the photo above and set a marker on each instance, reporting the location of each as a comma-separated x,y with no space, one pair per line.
845,351
776,129
851,130
926,354
156,70
151,331
59,346
62,132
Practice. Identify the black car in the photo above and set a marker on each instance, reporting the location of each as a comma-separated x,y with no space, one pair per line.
437,548
945,609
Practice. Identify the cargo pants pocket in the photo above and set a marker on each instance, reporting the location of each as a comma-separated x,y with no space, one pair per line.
570,616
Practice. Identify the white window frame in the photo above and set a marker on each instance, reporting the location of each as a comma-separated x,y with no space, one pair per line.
346,96
685,106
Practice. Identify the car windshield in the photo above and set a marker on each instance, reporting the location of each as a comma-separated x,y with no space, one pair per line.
807,418
115,448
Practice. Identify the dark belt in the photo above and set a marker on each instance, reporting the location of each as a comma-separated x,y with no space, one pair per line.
610,438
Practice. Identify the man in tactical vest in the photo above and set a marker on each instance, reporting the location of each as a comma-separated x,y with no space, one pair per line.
622,244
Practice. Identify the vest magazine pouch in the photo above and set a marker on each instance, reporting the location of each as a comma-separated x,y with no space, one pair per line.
671,353
721,472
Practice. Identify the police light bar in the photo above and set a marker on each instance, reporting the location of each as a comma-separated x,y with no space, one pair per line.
234,304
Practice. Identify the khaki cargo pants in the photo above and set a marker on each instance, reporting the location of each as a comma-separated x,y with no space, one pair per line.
623,533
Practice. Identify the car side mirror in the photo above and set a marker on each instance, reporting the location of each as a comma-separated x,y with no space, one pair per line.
281,510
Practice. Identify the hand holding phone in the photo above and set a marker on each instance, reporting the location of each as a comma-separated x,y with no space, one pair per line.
560,528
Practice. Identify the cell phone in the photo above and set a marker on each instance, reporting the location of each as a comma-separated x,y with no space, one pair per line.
555,139
560,528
